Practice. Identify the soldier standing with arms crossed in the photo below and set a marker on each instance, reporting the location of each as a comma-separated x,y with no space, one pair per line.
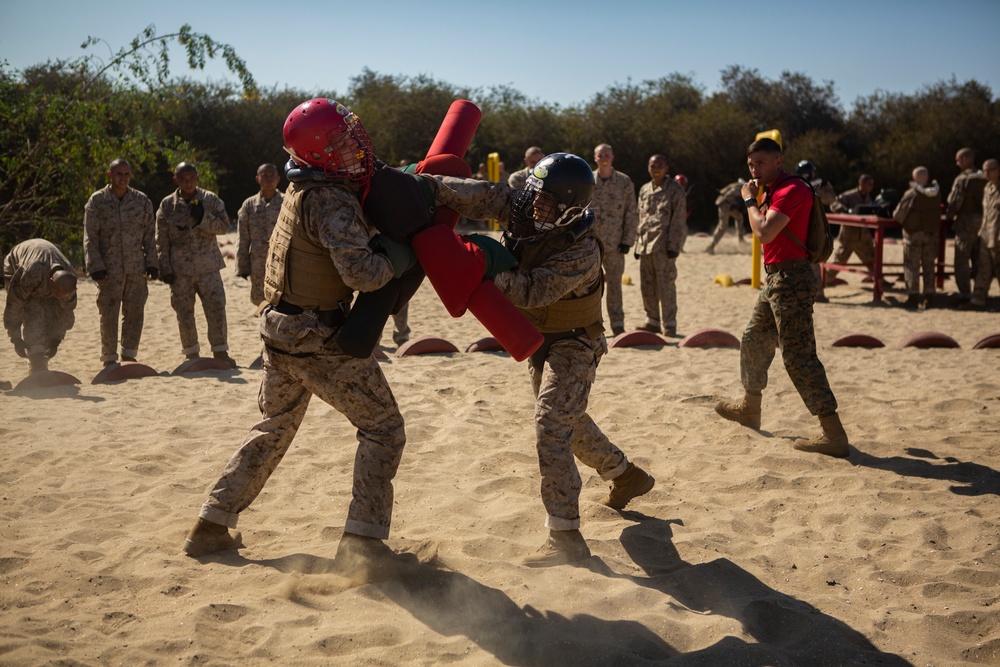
120,252
616,220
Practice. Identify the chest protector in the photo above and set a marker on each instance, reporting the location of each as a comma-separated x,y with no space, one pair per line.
569,312
299,271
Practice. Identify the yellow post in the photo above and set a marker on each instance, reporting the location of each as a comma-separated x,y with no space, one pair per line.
493,167
493,172
756,253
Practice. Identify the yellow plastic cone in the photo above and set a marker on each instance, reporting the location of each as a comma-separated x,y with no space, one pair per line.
724,279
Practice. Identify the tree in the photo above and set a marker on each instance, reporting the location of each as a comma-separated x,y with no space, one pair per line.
63,122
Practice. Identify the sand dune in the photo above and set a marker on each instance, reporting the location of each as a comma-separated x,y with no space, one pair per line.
746,551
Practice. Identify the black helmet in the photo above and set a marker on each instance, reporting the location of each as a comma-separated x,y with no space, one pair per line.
806,170
570,182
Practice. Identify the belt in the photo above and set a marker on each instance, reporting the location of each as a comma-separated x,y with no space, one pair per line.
331,318
774,267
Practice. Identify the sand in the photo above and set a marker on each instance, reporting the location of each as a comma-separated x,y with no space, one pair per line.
746,552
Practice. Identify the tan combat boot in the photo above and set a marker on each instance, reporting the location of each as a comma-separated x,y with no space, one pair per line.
563,546
37,363
207,537
632,483
746,412
833,442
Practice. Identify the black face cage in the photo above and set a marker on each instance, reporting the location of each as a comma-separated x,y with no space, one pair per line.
527,215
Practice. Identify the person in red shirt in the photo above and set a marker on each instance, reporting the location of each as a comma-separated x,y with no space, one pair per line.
783,314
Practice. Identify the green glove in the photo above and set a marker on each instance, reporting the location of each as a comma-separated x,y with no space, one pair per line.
400,255
498,258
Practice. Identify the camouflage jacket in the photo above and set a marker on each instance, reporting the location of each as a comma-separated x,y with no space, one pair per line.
847,201
990,231
26,271
119,234
966,194
662,218
614,205
183,249
568,272
254,225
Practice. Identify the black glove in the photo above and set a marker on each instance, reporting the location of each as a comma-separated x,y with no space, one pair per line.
52,348
623,248
197,211
672,254
20,347
167,278
99,275
152,272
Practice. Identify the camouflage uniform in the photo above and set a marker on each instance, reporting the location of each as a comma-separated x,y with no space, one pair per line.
518,178
255,223
616,221
783,317
32,314
302,358
118,238
856,240
562,380
919,212
730,203
989,245
965,207
191,255
661,234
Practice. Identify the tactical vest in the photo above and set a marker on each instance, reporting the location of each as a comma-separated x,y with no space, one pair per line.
972,202
299,271
925,215
569,312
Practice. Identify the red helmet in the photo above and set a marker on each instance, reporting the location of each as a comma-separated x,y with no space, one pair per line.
682,180
323,133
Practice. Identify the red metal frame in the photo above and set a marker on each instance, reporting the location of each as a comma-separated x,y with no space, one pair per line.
877,271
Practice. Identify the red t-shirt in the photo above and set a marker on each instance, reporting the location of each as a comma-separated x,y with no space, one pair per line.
789,195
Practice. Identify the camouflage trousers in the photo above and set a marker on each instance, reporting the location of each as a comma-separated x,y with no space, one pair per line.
658,284
256,289
988,270
614,268
208,286
853,240
125,294
966,228
920,251
354,387
783,316
38,329
727,213
564,430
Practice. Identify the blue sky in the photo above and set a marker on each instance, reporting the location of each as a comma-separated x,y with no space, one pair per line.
557,52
